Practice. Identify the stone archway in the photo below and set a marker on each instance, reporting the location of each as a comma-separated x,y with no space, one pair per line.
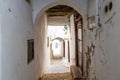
70,3
41,13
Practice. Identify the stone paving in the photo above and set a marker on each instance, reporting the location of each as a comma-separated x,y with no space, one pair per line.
57,76
57,66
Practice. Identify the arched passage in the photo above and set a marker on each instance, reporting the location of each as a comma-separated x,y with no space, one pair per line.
81,8
40,32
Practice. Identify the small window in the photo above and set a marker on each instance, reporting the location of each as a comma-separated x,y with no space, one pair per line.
30,50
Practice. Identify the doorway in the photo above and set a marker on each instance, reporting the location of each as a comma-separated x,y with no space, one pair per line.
58,35
70,48
60,16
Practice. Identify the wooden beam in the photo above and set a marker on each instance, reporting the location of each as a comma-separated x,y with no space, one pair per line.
58,13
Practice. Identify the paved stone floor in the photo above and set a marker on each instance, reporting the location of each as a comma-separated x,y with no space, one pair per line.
57,66
57,76
57,70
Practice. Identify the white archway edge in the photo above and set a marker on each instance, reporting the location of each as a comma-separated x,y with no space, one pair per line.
40,6
39,18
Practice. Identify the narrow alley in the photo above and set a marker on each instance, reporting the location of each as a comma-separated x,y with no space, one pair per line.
59,40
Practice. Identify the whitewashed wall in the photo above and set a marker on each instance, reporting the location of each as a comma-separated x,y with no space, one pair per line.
72,40
40,36
105,61
0,37
16,23
39,6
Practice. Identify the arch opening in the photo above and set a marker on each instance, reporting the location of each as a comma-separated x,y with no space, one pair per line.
62,15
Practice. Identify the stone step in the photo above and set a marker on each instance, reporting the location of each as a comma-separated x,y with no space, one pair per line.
76,72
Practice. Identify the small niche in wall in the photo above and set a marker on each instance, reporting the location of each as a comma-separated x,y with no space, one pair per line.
29,1
110,6
30,45
9,10
106,9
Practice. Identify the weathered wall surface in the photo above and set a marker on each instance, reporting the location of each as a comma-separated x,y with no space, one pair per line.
72,40
40,5
102,45
40,34
0,38
16,23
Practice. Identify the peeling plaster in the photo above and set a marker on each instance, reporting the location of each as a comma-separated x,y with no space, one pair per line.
101,61
89,55
110,19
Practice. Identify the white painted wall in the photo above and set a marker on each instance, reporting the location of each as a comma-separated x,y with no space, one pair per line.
105,63
40,36
39,6
16,23
72,41
0,38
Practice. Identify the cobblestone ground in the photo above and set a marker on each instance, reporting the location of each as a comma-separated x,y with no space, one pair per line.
57,76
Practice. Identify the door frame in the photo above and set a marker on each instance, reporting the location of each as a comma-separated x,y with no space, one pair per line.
76,40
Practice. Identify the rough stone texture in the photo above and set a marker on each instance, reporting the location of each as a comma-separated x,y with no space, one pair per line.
102,59
57,76
57,66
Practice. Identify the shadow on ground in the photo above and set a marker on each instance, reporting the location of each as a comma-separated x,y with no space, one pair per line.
57,76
